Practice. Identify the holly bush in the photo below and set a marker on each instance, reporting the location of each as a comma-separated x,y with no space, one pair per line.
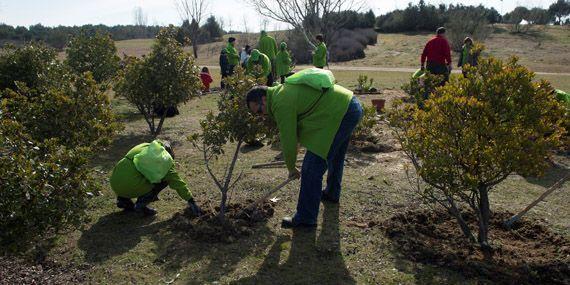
233,123
50,126
366,125
94,53
476,131
165,77
34,64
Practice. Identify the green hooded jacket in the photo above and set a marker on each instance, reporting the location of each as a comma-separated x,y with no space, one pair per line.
267,45
320,56
128,182
232,54
283,61
258,58
288,105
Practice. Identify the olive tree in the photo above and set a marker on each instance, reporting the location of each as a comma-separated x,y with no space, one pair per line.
233,124
476,131
164,78
96,53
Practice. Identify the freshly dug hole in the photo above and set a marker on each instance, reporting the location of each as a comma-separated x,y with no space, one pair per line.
238,223
527,254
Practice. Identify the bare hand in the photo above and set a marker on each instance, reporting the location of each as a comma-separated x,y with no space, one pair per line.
294,174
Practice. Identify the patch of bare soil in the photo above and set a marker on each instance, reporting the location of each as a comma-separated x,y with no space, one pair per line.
240,221
16,271
529,253
380,140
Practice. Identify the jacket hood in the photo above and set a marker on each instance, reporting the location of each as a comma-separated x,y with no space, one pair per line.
263,33
283,45
255,54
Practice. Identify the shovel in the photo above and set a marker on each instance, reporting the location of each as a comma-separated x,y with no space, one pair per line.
267,194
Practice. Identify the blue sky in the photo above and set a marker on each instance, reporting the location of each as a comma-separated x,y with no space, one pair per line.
233,12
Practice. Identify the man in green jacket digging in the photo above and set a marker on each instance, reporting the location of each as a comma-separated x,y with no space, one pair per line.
145,171
257,60
323,122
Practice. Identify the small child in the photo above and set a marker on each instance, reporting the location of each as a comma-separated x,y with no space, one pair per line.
206,79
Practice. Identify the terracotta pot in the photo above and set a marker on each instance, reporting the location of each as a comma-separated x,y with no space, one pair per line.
379,104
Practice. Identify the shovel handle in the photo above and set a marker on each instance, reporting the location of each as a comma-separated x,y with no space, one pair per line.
274,163
269,193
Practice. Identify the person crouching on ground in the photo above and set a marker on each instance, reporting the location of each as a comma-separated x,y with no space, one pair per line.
257,60
147,169
322,122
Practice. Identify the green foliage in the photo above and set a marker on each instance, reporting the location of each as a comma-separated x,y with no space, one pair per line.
475,131
367,123
233,123
44,188
365,84
96,54
560,9
34,64
77,114
165,77
51,121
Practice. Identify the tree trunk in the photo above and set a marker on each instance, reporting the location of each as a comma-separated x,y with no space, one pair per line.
159,128
195,48
462,224
227,181
484,217
222,214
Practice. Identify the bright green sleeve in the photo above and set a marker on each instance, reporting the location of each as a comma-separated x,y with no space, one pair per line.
176,183
266,65
321,52
286,119
248,67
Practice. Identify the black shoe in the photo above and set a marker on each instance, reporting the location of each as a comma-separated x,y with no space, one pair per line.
288,223
146,210
326,198
126,205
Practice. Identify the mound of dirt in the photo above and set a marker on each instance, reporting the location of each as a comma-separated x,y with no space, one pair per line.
16,271
527,254
240,221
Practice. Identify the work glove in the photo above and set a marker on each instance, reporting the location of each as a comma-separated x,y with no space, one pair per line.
196,211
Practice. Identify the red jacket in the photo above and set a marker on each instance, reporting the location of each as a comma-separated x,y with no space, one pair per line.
437,50
206,80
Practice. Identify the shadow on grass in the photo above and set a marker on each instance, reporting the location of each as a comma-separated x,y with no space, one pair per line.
311,260
115,234
551,176
121,145
176,250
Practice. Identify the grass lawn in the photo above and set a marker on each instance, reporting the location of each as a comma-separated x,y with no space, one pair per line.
123,248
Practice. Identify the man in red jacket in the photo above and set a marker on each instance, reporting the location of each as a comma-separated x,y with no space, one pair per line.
438,55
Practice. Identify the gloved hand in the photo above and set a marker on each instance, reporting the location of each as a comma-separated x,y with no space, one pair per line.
196,211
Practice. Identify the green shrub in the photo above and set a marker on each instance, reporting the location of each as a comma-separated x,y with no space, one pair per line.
165,77
476,131
49,127
367,123
96,54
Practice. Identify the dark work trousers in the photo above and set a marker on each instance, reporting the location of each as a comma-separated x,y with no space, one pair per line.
439,69
127,203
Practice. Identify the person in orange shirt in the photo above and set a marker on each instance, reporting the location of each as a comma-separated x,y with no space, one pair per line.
206,79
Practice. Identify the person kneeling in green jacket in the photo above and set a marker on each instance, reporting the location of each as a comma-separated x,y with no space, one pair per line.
147,169
322,122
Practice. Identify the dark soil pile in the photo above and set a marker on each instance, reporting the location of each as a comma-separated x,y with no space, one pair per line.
374,143
240,221
16,271
527,254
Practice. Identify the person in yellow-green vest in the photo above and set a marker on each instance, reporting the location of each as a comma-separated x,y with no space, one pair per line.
143,173
322,122
466,56
259,60
268,46
320,53
282,62
232,54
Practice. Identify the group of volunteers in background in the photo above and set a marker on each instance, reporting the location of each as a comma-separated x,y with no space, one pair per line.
309,109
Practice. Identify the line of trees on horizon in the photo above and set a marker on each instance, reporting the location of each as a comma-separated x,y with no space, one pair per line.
427,17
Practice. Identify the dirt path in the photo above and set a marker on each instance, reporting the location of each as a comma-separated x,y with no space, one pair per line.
390,69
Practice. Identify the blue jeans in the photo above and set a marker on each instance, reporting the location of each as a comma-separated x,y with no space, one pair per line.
314,168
